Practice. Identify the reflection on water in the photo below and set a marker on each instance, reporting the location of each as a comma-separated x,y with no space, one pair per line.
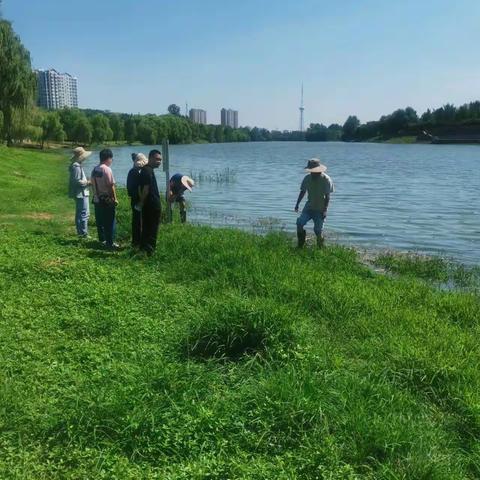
409,197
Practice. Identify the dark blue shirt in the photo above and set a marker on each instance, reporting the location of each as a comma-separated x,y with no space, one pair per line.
176,185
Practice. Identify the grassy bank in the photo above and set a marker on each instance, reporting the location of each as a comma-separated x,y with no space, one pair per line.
223,356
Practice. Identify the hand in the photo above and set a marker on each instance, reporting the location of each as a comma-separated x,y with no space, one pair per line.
324,214
116,202
296,208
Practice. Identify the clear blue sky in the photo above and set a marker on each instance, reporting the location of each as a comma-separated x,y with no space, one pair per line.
363,57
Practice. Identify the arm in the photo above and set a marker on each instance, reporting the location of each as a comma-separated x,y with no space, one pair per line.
79,177
327,201
143,192
299,199
114,194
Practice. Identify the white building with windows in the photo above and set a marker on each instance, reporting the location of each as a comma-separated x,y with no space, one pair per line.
56,90
229,118
198,116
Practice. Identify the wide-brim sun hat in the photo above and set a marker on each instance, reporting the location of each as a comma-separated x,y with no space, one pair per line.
315,166
187,182
80,154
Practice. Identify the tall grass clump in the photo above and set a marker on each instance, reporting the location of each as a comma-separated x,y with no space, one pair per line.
225,176
233,328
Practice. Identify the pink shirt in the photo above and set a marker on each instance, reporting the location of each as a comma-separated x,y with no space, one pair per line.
102,181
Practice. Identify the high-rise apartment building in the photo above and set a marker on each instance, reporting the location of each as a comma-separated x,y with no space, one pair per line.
198,116
229,118
56,90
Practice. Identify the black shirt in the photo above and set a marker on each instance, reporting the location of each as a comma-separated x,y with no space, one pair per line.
132,183
147,177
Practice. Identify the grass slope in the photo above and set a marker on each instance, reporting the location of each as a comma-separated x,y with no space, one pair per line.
224,356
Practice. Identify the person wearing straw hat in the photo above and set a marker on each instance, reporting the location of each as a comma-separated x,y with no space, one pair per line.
78,190
319,186
179,184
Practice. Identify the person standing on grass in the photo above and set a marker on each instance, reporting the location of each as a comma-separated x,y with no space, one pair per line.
139,161
179,184
149,203
105,199
319,186
78,190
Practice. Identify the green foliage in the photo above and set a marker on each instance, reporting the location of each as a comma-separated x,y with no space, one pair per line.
117,125
82,132
350,128
130,129
173,109
146,133
17,82
224,355
101,131
52,128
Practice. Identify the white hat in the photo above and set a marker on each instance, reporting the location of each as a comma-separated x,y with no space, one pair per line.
187,182
314,166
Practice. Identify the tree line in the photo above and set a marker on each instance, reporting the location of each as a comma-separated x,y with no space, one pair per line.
401,122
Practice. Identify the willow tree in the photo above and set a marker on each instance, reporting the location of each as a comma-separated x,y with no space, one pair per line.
17,81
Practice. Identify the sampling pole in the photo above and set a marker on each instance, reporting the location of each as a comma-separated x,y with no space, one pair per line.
166,169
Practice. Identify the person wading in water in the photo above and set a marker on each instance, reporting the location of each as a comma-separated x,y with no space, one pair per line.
319,186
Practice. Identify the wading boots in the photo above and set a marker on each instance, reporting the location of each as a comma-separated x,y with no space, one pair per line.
301,235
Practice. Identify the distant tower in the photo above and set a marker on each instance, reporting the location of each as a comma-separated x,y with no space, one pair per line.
186,109
302,108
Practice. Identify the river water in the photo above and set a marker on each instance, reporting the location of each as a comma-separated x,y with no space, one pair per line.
422,198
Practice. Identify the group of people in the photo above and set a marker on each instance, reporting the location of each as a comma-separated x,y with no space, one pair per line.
142,189
146,204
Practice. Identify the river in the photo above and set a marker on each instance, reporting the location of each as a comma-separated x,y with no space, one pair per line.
422,198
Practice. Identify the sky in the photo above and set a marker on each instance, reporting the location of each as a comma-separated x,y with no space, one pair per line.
360,57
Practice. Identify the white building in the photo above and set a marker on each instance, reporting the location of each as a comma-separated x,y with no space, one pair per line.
56,90
229,117
198,116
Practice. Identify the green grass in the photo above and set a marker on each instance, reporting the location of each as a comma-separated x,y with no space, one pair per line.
444,272
223,356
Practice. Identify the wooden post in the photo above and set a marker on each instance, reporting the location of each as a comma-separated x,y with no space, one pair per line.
166,169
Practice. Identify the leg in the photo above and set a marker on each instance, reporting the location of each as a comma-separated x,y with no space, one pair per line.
100,222
84,215
136,227
302,220
151,221
109,224
183,210
318,221
78,215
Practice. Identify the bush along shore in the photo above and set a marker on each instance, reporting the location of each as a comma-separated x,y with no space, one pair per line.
224,355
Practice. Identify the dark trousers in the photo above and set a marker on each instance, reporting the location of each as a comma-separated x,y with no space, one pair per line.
150,224
136,227
105,220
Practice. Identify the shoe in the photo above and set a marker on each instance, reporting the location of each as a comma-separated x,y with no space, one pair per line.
320,241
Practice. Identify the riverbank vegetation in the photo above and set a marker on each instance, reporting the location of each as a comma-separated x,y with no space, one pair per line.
225,355
404,124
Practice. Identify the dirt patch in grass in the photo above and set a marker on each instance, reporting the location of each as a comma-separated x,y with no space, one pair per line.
30,216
